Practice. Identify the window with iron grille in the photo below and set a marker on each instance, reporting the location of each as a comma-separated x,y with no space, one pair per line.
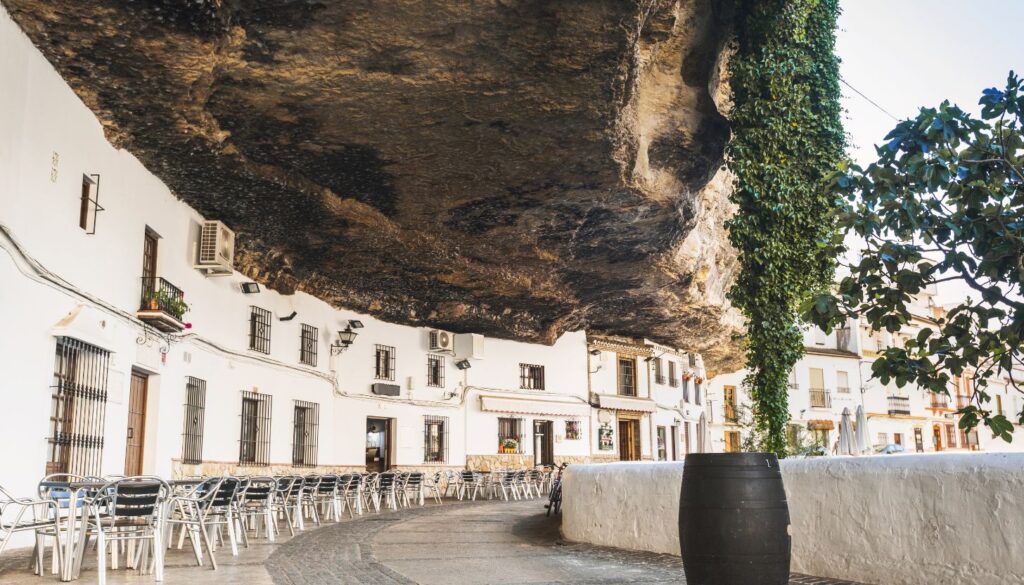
435,439
78,408
531,377
195,413
308,338
259,329
510,435
435,370
305,430
384,366
572,430
627,376
254,442
659,371
673,379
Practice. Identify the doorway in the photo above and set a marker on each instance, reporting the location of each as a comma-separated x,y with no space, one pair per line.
629,439
937,437
378,444
674,437
136,433
918,440
543,443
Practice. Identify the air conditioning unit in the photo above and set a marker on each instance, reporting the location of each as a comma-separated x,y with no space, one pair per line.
216,249
441,341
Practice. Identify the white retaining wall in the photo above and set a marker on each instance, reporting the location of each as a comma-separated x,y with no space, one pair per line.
887,520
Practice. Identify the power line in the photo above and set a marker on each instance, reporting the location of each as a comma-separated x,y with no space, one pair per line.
869,100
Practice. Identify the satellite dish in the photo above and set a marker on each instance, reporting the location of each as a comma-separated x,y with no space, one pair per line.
604,416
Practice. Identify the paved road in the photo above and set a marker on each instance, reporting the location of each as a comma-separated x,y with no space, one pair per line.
494,543
459,543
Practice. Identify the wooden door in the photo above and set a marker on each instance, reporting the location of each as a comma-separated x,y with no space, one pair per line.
937,437
134,446
543,443
629,440
918,440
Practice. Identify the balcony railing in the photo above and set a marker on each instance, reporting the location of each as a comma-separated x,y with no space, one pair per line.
899,405
962,401
820,398
843,389
163,304
659,378
940,401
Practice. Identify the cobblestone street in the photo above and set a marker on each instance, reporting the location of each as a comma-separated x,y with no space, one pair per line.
465,543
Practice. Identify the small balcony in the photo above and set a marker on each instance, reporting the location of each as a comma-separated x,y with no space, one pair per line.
899,405
962,401
940,402
820,398
162,306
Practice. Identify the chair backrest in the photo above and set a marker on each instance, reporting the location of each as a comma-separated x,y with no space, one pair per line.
386,480
468,476
133,497
226,491
258,489
414,479
328,484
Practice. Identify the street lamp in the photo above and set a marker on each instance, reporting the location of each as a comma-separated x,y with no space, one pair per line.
345,339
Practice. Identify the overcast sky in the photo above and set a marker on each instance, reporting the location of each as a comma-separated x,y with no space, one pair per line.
905,54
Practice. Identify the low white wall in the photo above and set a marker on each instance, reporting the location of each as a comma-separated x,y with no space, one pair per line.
886,520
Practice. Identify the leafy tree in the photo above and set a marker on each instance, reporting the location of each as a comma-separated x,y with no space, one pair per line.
787,139
944,202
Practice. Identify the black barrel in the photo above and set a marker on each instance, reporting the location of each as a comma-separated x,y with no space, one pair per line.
734,520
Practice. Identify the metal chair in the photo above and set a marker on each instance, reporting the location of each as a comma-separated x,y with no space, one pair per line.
327,498
41,516
128,510
211,505
256,498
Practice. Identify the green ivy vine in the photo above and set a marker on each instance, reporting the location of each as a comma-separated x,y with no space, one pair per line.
787,138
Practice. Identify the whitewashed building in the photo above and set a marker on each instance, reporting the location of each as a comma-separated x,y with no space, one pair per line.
647,398
132,346
835,374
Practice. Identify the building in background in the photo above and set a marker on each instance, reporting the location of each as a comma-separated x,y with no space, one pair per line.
835,374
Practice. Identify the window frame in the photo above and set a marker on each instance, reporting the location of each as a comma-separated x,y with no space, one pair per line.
260,325
255,451
435,370
305,433
387,362
620,371
510,428
531,377
309,342
194,421
440,423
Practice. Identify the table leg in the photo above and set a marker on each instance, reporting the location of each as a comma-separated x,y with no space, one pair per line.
70,542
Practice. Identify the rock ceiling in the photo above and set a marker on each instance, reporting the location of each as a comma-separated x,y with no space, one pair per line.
518,168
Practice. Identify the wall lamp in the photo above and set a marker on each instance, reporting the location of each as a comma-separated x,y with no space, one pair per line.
345,339
463,364
250,288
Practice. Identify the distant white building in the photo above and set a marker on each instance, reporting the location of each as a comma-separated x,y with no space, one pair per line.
835,374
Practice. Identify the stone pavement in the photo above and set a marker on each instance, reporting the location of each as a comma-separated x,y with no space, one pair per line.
464,543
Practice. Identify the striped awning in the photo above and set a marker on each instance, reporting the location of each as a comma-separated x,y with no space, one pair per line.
539,407
616,402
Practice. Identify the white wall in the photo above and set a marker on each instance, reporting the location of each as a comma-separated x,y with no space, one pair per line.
946,519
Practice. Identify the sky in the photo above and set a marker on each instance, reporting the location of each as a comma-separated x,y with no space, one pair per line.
908,54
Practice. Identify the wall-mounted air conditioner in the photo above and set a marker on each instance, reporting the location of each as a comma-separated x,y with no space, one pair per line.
469,346
441,341
216,249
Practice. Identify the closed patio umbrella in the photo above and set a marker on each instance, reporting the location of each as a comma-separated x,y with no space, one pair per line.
846,439
862,432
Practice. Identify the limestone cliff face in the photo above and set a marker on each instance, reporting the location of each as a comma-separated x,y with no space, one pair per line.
514,167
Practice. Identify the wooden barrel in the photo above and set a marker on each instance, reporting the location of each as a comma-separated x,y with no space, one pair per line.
734,520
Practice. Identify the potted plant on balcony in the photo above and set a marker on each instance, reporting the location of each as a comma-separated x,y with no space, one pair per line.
177,307
509,446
